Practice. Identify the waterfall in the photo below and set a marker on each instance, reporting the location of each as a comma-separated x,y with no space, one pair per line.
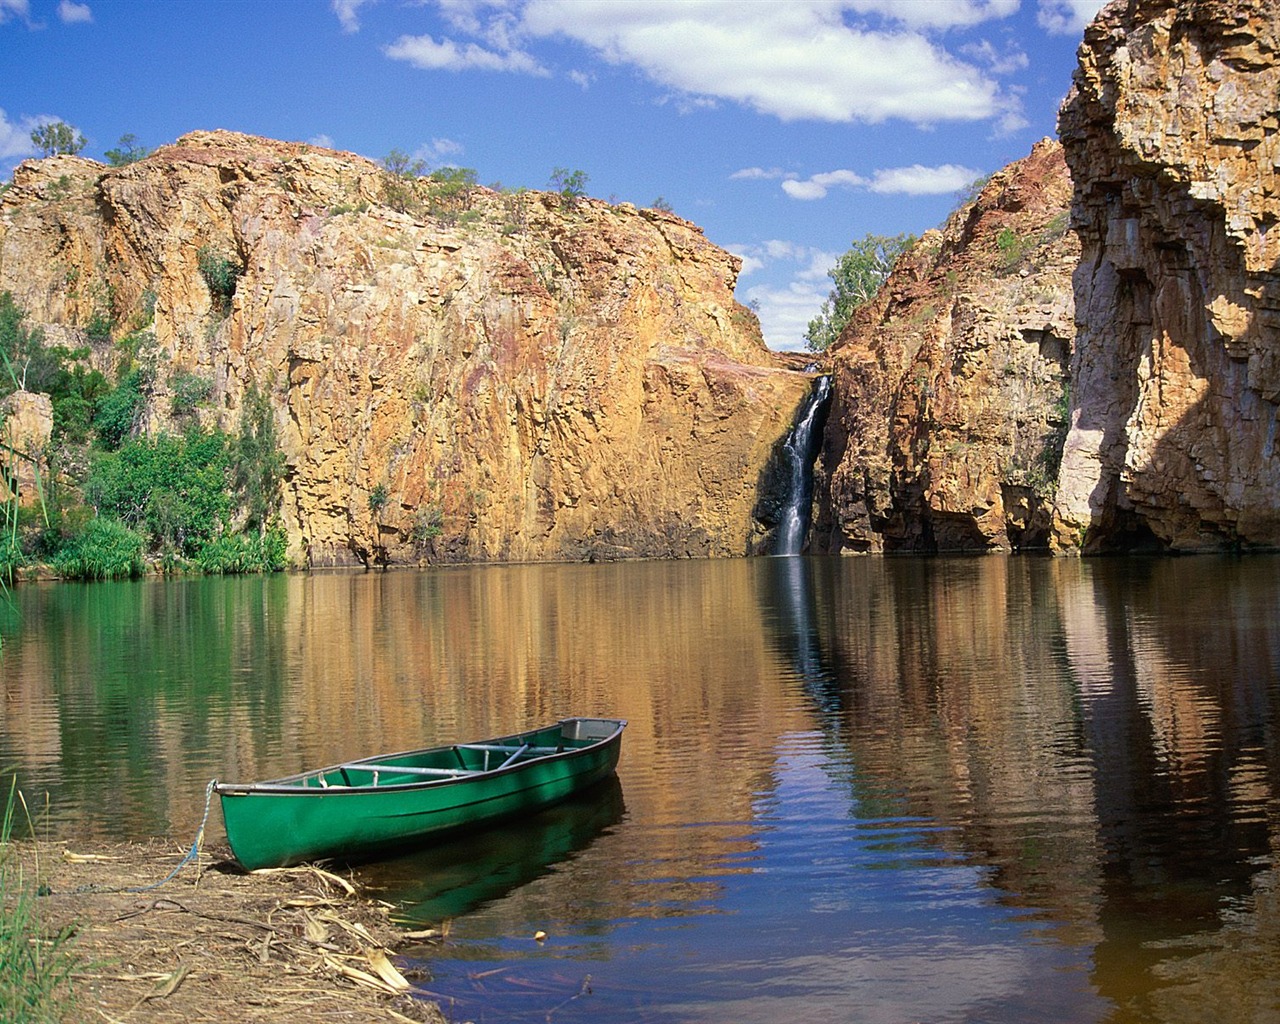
799,452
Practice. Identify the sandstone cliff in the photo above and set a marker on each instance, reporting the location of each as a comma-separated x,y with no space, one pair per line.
492,377
950,387
1171,135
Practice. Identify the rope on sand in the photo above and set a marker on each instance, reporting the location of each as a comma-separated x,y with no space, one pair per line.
194,852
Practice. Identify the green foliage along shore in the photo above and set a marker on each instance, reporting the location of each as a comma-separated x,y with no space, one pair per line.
115,501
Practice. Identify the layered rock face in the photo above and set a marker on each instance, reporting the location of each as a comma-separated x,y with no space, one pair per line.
950,387
506,377
1171,135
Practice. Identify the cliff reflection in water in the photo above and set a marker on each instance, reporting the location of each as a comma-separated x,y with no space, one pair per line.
1095,743
1103,735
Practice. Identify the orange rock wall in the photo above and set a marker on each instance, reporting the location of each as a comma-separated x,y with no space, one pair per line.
1171,132
525,378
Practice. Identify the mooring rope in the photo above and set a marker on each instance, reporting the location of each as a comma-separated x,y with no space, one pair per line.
194,852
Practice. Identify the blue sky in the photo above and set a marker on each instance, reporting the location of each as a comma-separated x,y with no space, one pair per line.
785,128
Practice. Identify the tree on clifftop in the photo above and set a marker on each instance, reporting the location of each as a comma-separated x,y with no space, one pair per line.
858,275
58,137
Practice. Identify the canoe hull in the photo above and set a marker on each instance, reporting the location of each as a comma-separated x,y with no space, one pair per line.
290,821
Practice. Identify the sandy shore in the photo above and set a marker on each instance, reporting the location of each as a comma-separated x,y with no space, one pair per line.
216,944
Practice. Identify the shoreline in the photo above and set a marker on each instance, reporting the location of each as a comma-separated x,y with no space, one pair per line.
214,943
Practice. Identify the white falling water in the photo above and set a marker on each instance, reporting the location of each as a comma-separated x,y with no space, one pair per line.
800,449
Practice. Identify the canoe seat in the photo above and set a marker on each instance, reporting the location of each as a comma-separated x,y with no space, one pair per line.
404,769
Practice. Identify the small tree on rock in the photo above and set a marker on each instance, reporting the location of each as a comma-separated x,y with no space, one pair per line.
57,138
858,275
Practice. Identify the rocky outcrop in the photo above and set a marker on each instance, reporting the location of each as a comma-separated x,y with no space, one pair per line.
455,375
1171,134
27,428
950,387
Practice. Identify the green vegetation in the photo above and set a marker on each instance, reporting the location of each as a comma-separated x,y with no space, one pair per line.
127,151
857,275
58,137
105,550
220,272
399,179
35,966
196,498
572,185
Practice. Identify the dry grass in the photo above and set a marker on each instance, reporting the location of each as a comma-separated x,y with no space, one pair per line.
215,944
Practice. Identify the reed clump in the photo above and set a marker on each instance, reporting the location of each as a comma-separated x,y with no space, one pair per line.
35,963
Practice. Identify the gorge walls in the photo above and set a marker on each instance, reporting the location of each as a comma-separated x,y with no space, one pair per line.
1171,135
951,385
498,376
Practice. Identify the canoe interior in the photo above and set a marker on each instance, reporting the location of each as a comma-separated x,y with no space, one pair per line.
454,762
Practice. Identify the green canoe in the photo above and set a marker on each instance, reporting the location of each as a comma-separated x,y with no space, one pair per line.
359,809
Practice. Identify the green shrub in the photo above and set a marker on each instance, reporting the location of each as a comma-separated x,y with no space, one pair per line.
221,272
243,553
118,410
190,391
572,185
173,488
106,550
257,464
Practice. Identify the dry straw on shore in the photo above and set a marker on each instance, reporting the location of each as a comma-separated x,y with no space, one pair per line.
216,944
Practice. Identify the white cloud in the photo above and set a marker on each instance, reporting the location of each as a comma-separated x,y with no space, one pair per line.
828,60
322,140
348,12
20,9
581,79
15,139
798,60
759,174
437,150
71,13
1006,63
424,52
795,289
1067,17
941,14
915,180
817,186
922,181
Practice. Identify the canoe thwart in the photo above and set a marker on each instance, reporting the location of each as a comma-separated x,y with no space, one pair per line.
404,769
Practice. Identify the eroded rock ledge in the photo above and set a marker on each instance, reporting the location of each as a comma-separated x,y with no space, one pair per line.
1171,134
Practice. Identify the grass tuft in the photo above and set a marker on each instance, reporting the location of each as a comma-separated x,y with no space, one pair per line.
35,966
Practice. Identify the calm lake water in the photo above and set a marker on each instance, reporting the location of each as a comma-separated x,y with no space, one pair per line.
852,790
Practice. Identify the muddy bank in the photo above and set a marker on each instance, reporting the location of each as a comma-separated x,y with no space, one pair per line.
216,944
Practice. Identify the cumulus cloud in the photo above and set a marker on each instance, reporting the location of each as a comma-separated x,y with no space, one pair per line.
922,181
15,139
916,180
1012,59
71,13
447,55
819,185
438,150
1067,17
348,12
792,61
937,14
322,140
792,296
19,9
759,174
830,60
